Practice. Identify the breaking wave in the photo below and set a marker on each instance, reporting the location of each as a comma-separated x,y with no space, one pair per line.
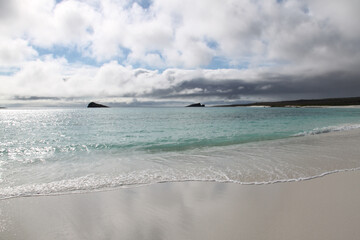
328,129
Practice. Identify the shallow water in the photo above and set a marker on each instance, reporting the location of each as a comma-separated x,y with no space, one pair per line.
52,151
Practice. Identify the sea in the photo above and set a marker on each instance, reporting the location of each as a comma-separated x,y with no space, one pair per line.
60,151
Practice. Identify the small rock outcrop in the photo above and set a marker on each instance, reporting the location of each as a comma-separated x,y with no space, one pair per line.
96,105
196,105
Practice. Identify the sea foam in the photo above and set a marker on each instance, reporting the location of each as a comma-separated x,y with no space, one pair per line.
328,129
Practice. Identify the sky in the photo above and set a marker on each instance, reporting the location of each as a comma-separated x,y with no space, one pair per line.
173,52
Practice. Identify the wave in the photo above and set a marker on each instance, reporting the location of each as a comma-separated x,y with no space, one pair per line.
98,184
328,129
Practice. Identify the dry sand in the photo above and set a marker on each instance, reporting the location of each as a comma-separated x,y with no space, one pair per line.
322,208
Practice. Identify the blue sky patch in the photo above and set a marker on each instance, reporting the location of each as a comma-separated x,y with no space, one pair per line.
71,54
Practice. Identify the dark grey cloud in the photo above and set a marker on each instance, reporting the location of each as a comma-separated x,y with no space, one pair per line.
34,98
212,89
271,86
149,103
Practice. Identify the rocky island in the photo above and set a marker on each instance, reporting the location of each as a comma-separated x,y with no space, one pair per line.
96,105
196,105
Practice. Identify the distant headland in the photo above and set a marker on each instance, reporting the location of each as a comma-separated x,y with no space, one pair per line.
196,105
326,102
96,105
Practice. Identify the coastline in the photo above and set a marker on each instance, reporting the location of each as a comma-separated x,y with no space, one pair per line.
296,106
323,208
331,102
322,106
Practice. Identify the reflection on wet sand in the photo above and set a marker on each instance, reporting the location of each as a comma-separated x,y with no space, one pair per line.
323,208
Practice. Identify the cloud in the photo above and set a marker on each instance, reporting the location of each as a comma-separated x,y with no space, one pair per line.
159,50
55,79
15,51
187,34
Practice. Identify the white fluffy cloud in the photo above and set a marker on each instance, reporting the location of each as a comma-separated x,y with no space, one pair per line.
187,33
15,51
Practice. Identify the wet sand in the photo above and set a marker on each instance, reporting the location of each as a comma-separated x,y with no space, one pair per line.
321,208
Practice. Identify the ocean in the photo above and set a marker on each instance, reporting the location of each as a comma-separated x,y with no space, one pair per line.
58,151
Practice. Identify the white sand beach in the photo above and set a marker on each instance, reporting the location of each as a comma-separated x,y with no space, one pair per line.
322,208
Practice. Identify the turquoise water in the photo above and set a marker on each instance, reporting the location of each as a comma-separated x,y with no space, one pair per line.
50,151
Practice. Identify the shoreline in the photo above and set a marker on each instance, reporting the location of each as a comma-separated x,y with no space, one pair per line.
327,207
102,190
319,158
